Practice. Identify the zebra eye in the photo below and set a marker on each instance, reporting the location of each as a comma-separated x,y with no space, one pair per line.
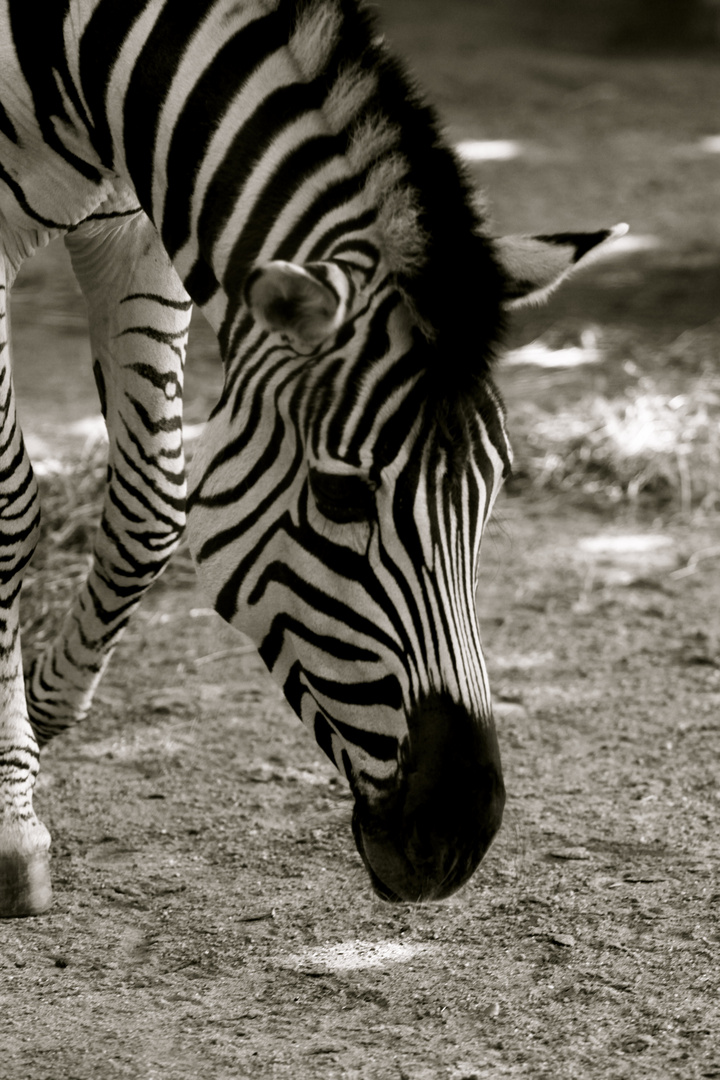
343,498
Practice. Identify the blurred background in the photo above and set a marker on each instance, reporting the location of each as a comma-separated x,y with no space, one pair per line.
587,946
577,114
571,115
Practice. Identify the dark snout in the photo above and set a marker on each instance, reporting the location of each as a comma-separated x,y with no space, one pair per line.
423,838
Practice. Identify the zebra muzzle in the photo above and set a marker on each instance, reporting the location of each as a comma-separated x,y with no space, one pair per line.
424,838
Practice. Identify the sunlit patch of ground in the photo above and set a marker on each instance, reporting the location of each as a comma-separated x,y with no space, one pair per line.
621,558
631,242
489,149
539,354
360,955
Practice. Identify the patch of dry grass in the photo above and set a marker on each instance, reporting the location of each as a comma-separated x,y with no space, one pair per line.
71,497
71,493
655,446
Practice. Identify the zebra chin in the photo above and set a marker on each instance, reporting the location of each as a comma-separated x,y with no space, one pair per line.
422,836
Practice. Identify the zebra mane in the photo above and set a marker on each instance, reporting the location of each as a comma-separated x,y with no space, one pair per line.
429,227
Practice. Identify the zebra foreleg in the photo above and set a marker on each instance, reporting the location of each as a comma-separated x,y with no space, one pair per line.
24,841
139,319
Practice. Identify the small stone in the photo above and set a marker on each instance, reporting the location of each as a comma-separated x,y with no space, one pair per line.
635,1044
580,854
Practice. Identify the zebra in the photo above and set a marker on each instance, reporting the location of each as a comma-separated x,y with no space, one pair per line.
271,162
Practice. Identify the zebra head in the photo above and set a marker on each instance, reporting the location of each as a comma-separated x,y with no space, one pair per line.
340,498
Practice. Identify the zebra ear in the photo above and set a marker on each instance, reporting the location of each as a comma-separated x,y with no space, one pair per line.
535,265
306,304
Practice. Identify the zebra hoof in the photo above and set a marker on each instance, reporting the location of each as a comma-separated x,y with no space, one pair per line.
25,887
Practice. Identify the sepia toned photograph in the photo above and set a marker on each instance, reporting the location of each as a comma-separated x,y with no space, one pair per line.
359,539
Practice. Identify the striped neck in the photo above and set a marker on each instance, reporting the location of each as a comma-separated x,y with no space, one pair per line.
261,129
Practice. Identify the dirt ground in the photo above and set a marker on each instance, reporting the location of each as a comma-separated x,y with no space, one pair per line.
211,916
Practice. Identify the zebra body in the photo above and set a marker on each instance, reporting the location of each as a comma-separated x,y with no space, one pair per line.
269,160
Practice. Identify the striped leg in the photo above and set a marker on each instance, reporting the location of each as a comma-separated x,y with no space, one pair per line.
139,319
24,841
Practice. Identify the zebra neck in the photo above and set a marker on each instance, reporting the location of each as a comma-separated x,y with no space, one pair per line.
253,97
281,129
